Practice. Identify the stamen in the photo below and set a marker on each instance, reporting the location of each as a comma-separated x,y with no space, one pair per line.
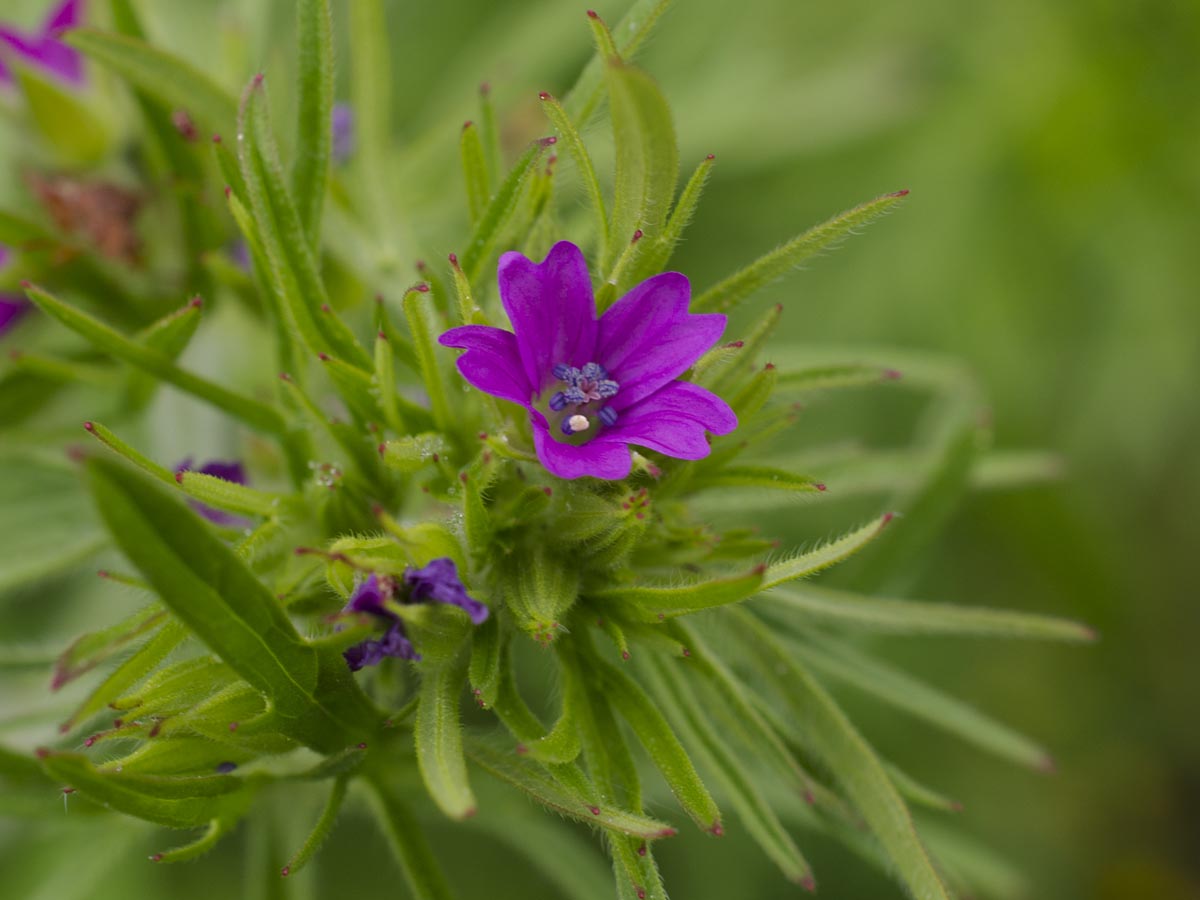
608,416
563,372
558,401
575,424
593,371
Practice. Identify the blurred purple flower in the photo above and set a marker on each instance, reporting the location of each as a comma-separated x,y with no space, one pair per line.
437,582
226,471
594,386
343,132
43,48
12,306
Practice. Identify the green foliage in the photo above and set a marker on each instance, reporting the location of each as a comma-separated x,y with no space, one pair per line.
233,684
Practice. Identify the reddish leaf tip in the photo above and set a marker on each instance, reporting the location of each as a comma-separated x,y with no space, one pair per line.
594,810
485,88
820,487
216,139
543,95
642,850
285,871
44,752
892,374
453,257
421,288
903,193
887,517
1047,765
26,284
179,478
717,830
592,14
157,857
362,745
637,236
808,883
522,749
258,79
196,302
548,141
88,426
467,124
233,726
323,357
666,833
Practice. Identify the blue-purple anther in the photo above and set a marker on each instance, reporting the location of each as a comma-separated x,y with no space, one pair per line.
437,582
583,385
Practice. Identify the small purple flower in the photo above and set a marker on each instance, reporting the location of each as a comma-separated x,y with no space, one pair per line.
343,132
43,48
12,306
592,387
226,471
437,582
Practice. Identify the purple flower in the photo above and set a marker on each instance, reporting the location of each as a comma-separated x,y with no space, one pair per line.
437,582
226,471
343,132
591,386
12,306
43,48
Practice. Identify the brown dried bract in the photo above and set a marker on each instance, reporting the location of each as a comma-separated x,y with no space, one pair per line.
101,213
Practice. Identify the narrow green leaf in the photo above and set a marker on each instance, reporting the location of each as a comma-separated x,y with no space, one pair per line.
421,870
210,589
846,755
118,446
916,792
371,98
823,378
804,564
62,370
475,171
535,781
752,808
129,794
663,246
634,30
754,395
647,157
910,617
89,650
169,336
130,672
439,740
583,164
899,690
660,742
228,495
253,413
500,210
758,477
314,129
321,831
419,312
293,266
736,288
168,78
644,603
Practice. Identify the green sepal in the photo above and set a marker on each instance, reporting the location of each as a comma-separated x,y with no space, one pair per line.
439,739
539,589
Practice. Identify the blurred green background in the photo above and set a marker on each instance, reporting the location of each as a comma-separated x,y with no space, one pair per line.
1050,241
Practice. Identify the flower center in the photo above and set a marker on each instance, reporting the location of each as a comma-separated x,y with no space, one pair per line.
581,402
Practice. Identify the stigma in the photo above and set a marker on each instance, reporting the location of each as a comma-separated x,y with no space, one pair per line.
575,424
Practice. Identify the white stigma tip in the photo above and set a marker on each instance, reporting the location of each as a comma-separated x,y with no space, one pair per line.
578,423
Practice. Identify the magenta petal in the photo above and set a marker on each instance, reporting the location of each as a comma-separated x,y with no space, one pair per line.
492,362
673,421
12,308
610,461
648,338
68,14
551,308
